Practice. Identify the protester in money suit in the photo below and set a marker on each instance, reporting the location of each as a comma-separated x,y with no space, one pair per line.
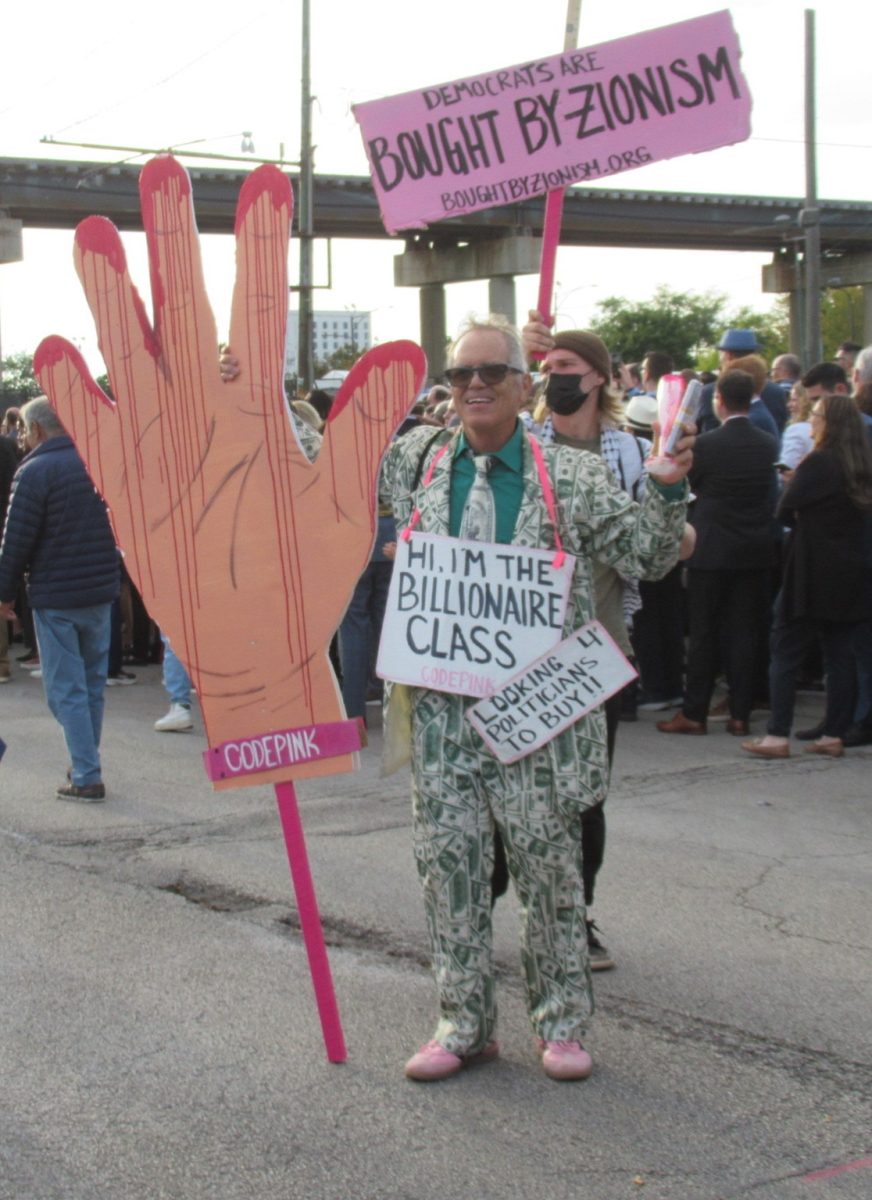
540,497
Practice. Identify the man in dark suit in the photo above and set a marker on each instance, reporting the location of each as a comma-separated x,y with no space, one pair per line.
733,477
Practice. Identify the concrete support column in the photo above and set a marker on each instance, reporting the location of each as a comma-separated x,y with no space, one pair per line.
796,310
432,307
501,296
855,270
10,240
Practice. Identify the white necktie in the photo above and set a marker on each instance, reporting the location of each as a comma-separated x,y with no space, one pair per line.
478,522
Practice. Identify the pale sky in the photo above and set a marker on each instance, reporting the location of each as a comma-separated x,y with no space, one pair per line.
155,76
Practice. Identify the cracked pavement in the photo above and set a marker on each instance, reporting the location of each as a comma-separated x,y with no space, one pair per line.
159,1036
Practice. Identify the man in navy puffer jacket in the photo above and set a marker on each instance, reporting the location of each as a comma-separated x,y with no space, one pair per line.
57,529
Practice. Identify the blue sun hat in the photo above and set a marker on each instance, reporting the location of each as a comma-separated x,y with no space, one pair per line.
739,341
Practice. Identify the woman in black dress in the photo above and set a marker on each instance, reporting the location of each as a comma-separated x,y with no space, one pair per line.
825,591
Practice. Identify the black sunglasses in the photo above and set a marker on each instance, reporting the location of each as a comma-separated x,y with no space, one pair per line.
489,373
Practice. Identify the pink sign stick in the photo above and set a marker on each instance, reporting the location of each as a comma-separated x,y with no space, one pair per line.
858,1164
554,203
310,922
548,259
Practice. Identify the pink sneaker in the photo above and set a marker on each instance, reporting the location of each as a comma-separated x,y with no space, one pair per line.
565,1060
434,1062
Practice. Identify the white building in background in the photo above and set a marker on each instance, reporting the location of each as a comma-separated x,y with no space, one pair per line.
330,332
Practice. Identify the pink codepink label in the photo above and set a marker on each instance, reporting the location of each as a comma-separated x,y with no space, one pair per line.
282,748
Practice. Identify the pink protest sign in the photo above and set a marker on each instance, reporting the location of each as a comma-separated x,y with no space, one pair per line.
577,117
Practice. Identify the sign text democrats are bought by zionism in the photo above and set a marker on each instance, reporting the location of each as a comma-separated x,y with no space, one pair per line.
574,118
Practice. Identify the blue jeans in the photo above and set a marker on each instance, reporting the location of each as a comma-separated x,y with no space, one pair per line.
4,648
359,635
175,678
361,626
74,654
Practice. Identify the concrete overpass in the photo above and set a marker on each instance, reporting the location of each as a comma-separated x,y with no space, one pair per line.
496,244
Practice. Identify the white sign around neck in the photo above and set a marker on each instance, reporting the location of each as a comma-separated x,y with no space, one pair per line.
465,616
552,693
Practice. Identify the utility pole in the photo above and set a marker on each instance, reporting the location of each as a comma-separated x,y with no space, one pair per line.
811,213
304,346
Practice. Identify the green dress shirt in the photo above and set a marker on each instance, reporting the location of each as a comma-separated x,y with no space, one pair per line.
506,478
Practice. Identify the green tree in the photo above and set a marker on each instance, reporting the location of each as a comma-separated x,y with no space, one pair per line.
19,382
342,359
687,326
680,323
102,381
841,318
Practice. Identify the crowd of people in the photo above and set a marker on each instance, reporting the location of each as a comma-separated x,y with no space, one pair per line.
756,570
746,556
779,587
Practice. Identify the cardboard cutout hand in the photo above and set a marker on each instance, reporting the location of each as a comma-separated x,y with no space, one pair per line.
244,552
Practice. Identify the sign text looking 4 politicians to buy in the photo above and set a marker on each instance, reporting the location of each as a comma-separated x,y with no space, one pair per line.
551,694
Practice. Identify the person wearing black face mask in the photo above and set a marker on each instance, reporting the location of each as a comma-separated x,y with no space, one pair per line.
565,393
580,404
583,413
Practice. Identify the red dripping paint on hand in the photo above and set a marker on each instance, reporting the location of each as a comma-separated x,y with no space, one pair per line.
266,180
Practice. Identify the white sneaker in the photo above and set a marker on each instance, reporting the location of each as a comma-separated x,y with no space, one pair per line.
121,679
177,720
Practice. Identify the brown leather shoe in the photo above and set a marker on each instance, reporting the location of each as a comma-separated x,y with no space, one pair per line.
681,724
830,749
755,746
737,728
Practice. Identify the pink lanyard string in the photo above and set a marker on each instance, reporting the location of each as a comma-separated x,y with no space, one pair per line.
548,493
544,481
416,514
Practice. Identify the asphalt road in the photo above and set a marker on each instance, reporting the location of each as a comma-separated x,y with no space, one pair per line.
159,1039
